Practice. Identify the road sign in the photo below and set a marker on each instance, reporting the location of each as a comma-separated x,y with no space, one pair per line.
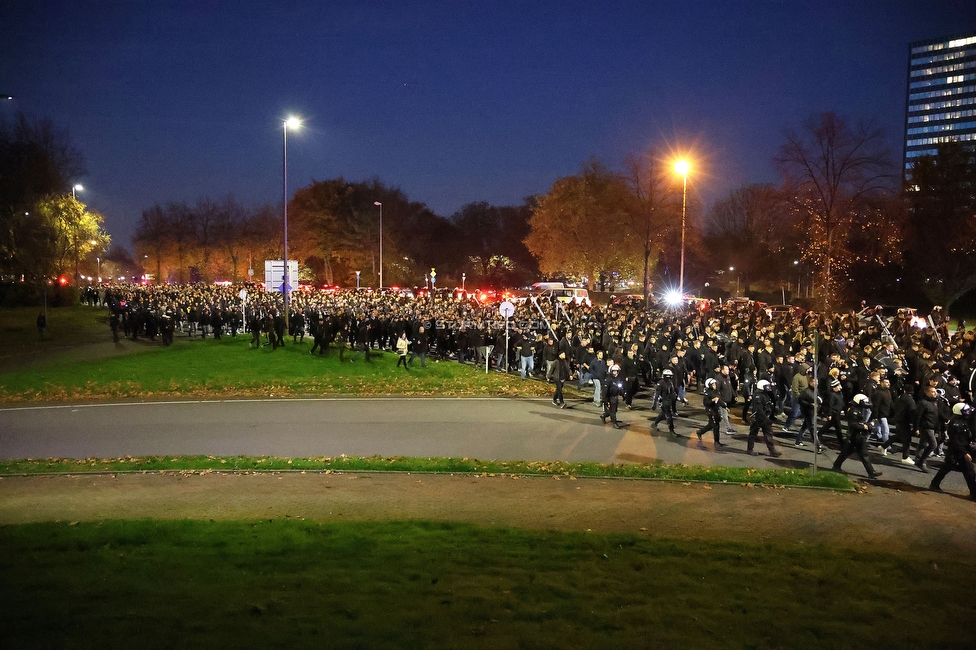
506,309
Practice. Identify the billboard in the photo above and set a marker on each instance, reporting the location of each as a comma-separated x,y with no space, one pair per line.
274,275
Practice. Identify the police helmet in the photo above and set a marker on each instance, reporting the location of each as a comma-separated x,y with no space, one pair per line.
962,409
861,399
762,384
667,373
710,383
614,368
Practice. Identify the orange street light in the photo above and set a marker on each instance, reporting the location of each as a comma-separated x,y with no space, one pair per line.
681,166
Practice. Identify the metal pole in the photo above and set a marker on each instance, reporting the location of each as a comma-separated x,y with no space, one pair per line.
684,205
816,392
381,242
284,152
506,345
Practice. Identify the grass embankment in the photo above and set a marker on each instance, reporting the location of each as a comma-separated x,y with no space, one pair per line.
194,368
193,464
297,584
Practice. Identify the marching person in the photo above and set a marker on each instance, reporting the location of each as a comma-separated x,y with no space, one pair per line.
713,402
858,429
668,394
614,390
402,346
961,446
762,418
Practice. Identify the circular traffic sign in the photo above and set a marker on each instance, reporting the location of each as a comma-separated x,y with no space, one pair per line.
506,309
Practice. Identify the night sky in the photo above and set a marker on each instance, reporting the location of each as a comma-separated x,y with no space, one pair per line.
453,102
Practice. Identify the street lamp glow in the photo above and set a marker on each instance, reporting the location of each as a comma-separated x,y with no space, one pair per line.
291,123
76,188
682,166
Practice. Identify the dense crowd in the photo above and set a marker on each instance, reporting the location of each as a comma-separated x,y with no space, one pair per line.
866,381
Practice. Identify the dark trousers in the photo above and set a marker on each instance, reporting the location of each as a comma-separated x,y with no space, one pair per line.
711,425
666,413
610,409
833,422
855,444
926,444
767,431
557,397
957,462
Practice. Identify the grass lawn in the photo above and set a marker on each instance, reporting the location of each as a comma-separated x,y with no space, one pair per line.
296,584
657,470
228,368
65,326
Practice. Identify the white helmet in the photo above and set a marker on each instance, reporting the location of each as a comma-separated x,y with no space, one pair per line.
762,384
614,368
667,373
710,383
861,399
962,409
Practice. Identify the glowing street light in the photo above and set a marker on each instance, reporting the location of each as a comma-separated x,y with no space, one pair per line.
377,203
682,166
76,188
291,123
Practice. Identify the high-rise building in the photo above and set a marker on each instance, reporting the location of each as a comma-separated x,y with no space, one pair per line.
941,96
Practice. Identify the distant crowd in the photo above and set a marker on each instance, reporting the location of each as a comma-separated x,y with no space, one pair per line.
908,377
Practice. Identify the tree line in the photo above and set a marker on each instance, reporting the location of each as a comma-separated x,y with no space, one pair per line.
841,225
45,232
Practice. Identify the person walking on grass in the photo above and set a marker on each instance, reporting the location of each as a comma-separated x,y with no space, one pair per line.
402,346
420,348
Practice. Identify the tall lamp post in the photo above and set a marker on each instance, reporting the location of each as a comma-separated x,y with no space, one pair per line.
682,166
76,188
377,203
290,123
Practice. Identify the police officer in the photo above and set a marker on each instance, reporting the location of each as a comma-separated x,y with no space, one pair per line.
961,446
712,401
616,388
858,429
762,418
668,394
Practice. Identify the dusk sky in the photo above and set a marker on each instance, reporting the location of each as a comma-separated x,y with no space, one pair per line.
453,102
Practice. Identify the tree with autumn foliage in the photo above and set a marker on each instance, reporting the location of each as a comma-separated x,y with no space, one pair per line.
579,227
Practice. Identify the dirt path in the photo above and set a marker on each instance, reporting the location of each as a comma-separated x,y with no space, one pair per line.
877,519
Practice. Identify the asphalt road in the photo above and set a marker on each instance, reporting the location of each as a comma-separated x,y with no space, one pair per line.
502,429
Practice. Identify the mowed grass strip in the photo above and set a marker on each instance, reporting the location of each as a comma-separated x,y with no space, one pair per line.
194,368
299,584
657,470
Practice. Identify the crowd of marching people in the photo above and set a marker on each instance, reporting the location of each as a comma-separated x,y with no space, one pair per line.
868,383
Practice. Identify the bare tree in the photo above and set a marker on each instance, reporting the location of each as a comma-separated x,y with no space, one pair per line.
831,170
651,213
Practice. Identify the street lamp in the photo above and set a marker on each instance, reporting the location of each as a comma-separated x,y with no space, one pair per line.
78,188
732,268
682,166
377,203
290,123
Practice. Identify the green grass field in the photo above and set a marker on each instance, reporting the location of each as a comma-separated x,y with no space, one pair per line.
193,464
289,584
193,368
